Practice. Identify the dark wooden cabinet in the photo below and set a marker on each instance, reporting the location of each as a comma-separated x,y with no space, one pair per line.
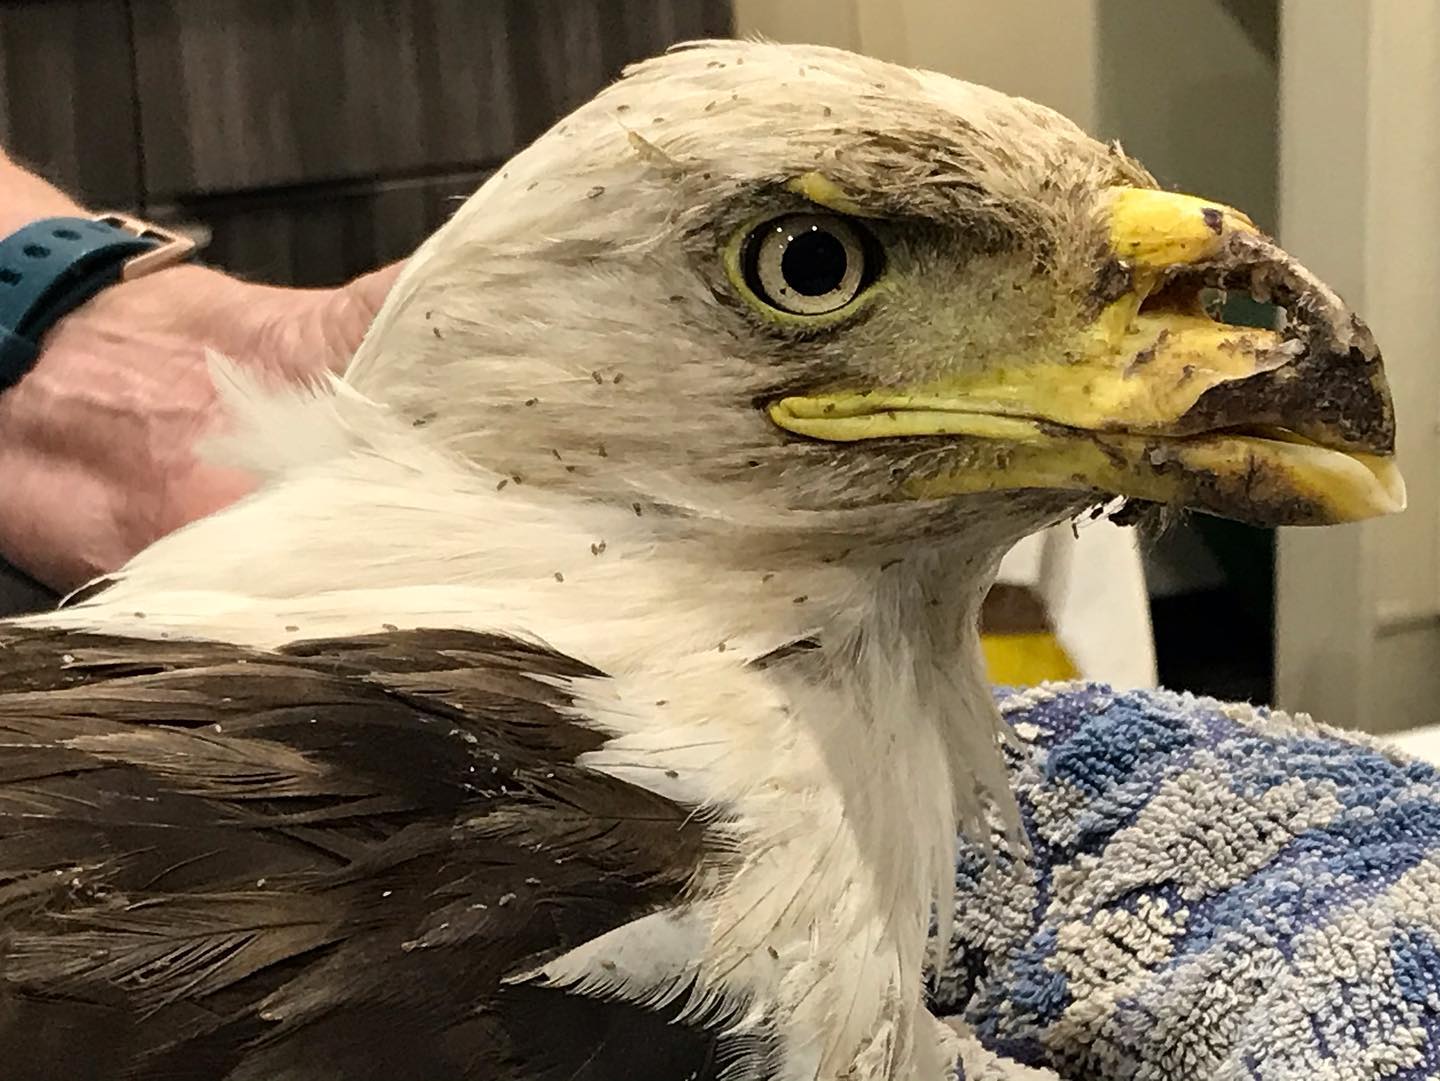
244,94
326,235
315,139
67,95
238,94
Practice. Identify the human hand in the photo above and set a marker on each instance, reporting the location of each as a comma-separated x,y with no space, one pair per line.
97,458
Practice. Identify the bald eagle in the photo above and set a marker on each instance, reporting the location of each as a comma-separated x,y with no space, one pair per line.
592,689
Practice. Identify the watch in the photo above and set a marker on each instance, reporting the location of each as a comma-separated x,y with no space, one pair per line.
52,266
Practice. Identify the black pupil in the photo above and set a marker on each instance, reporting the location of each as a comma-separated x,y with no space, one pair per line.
814,263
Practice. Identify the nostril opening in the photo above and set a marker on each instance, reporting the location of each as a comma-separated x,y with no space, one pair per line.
1235,299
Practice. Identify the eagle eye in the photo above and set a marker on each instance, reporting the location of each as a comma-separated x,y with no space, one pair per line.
809,264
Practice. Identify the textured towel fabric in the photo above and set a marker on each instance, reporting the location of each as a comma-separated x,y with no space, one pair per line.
1211,892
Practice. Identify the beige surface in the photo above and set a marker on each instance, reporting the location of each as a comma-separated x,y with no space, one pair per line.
1038,49
816,22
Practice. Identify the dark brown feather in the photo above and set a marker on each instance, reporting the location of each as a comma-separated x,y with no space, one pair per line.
317,863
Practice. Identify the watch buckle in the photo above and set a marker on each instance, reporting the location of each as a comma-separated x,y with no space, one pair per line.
171,247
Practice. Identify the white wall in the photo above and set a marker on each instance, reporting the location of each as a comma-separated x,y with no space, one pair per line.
1038,49
814,22
1359,631
1190,89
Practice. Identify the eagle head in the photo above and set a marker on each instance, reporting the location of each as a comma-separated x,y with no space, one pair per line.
791,289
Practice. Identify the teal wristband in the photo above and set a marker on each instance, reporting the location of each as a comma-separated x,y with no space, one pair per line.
50,267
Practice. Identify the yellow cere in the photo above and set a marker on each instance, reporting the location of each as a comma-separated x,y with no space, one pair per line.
1152,229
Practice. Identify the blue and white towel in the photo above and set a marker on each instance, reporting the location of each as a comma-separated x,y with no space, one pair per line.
1212,892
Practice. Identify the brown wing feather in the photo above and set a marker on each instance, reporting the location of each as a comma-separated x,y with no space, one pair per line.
316,863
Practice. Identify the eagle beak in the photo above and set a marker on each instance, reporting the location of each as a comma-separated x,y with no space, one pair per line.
1155,399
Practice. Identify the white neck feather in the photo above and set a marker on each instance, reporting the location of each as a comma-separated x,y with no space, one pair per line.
838,775
843,778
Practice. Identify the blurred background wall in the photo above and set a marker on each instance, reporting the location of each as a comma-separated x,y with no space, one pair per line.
313,139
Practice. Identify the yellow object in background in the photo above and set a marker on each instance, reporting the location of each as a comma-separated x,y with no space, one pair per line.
1018,639
1022,660
1070,604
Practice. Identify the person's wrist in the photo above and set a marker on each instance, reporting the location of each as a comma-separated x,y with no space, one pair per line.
177,303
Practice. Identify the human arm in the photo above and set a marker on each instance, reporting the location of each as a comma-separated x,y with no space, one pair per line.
97,441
